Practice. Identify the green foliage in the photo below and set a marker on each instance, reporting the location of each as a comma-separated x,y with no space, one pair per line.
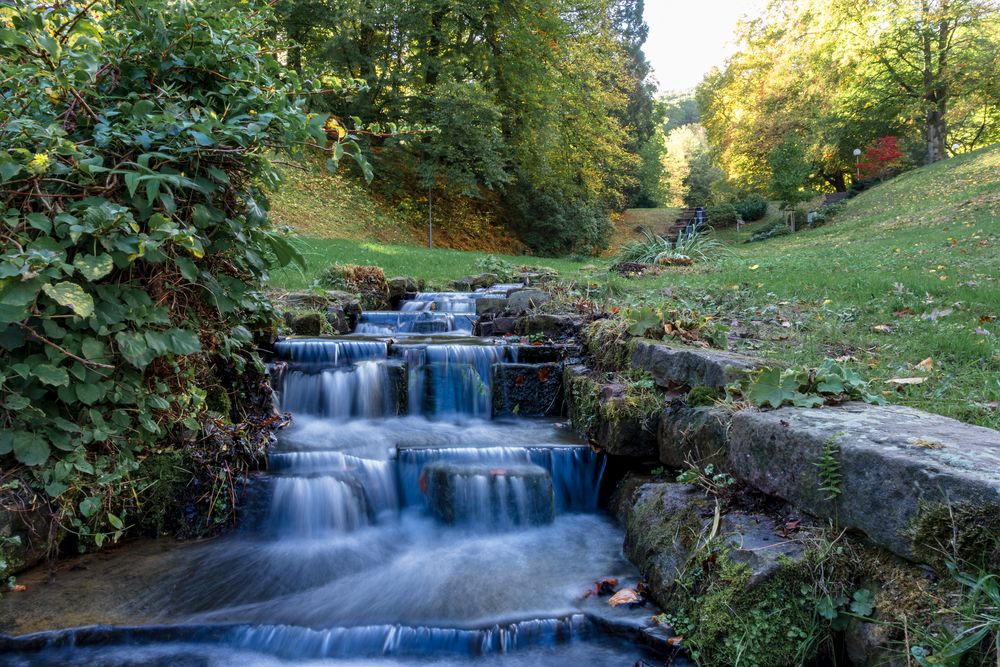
135,142
790,172
504,270
752,208
652,248
826,213
776,228
683,324
831,382
712,480
541,108
830,474
968,632
722,215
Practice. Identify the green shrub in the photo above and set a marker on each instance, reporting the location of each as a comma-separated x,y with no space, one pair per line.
776,228
135,140
722,215
752,208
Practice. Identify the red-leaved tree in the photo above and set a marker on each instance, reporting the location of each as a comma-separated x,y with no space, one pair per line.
881,158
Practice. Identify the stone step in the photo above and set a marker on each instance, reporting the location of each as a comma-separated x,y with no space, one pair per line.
895,464
672,365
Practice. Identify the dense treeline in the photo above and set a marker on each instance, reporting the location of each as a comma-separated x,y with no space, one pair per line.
815,79
540,107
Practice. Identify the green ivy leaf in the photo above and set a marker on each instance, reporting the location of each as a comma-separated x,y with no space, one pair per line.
90,392
773,387
89,506
183,342
51,375
72,296
134,348
93,267
863,603
31,449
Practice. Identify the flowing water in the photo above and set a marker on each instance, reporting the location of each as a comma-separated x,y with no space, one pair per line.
398,524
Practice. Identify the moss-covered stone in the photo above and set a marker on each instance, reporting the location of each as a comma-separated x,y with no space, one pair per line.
163,479
965,533
726,621
618,412
608,344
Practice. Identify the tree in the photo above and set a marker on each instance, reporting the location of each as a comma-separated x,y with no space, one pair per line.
790,172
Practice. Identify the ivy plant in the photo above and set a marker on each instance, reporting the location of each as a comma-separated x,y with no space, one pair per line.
136,146
830,383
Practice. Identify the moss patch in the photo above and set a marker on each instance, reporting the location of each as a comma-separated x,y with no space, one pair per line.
609,344
964,533
726,622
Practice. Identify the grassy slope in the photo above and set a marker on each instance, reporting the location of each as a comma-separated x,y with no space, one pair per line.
924,245
919,254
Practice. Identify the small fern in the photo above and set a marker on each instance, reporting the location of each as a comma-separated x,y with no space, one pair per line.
830,475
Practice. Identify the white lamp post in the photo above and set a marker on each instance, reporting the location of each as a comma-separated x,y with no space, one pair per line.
857,162
954,148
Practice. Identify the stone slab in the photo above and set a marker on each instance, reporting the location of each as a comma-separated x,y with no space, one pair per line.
550,326
672,365
892,459
527,390
696,435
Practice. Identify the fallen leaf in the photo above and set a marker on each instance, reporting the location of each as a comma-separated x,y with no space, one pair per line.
18,588
902,381
927,364
755,267
602,587
674,641
905,312
625,596
882,328
925,444
985,319
498,472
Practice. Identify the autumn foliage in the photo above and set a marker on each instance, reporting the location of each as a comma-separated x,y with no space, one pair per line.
881,158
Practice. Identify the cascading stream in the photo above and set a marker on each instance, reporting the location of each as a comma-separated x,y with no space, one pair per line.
398,521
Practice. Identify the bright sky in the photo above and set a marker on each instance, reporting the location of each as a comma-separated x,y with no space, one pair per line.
688,37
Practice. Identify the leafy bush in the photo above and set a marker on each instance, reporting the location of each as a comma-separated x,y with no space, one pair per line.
826,213
654,248
776,228
367,281
722,215
554,223
135,140
504,271
752,208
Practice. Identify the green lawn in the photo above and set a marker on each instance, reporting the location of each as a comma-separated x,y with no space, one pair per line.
908,272
437,265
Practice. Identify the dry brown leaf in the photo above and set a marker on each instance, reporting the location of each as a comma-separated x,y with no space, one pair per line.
927,364
882,328
624,596
925,444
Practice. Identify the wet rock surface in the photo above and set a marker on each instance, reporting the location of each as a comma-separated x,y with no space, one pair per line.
528,390
550,326
494,495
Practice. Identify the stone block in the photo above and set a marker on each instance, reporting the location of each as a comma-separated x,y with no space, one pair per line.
672,365
489,494
551,326
526,299
527,390
891,461
695,435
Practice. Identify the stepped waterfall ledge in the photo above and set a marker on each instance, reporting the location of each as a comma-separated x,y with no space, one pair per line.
398,521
